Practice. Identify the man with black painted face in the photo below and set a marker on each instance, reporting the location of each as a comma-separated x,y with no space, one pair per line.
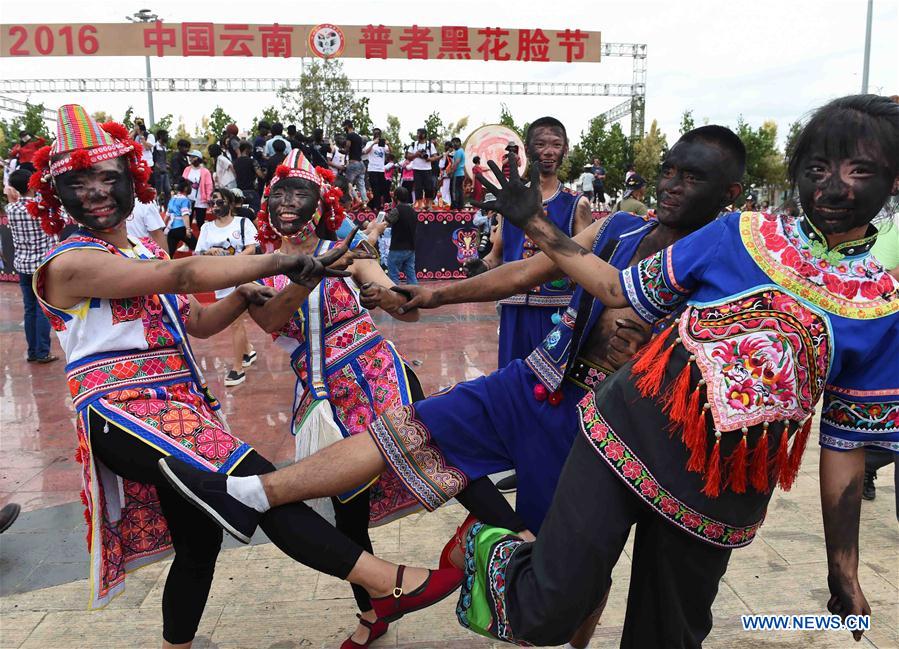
687,441
122,313
524,416
527,317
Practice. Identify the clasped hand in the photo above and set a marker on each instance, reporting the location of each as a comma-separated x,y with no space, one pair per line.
308,271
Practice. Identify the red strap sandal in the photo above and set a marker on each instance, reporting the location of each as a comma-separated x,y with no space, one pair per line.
439,585
375,630
456,540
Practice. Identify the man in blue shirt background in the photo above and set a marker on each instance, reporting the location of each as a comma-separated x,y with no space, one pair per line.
458,174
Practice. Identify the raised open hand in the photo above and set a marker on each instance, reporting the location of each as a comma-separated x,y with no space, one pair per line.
516,201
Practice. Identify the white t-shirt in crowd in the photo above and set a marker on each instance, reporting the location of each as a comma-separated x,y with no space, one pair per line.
586,181
147,153
193,176
224,171
418,163
376,158
232,238
144,219
338,158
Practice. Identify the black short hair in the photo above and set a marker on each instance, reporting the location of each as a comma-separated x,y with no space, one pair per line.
226,194
402,195
843,123
183,185
182,143
245,147
348,123
476,160
162,134
214,150
727,141
318,133
18,180
291,128
277,128
262,125
544,122
279,146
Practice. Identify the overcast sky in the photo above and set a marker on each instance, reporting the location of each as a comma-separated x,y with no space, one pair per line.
764,59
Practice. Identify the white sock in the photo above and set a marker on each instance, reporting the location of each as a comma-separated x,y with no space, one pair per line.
249,491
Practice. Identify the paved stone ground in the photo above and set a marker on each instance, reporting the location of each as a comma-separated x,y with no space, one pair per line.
261,599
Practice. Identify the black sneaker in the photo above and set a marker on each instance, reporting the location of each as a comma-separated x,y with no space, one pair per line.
249,359
208,492
508,484
8,516
868,490
235,378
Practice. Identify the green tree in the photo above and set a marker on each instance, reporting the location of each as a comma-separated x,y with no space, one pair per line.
359,114
323,99
270,115
792,134
648,153
611,146
215,125
455,129
392,133
181,133
31,120
506,119
764,162
101,117
433,124
686,122
163,123
128,119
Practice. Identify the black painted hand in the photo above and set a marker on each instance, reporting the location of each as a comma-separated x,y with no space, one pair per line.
417,296
474,266
623,344
308,271
847,598
256,294
373,296
518,202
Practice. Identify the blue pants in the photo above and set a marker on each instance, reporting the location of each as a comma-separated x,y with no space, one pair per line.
37,327
480,427
401,261
521,330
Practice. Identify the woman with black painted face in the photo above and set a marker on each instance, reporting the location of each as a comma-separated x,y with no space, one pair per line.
228,235
311,323
122,312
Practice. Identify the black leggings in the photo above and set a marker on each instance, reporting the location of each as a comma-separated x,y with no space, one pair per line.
295,529
176,236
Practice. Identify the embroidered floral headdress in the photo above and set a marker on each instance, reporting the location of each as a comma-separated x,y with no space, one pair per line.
80,143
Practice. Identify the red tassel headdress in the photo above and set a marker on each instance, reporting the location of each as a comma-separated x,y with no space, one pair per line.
80,143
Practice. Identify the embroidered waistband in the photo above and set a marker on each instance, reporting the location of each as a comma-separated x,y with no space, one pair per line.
547,301
100,375
587,374
343,341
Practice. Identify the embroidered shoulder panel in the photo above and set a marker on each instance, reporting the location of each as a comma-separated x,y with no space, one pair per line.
764,356
855,287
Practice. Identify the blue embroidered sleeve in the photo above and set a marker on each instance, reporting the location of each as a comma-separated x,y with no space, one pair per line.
656,286
861,405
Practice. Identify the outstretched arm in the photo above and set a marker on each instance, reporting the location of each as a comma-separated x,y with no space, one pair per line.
841,474
208,320
504,281
81,274
522,205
